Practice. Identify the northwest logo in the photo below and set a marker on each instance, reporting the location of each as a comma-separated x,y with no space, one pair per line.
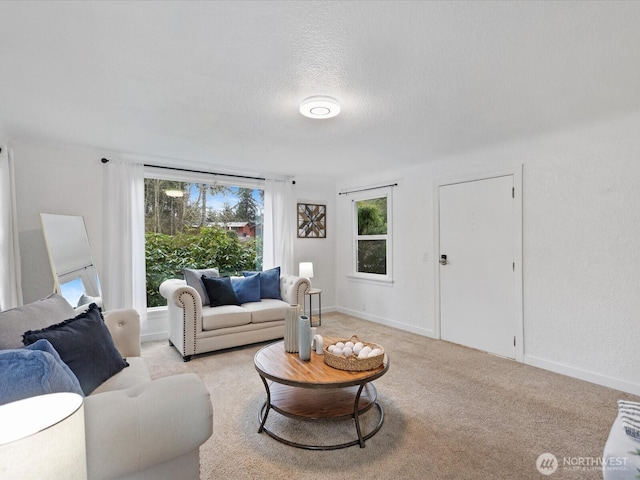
547,463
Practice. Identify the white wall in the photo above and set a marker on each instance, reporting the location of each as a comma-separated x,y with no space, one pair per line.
581,240
61,180
320,251
581,272
68,180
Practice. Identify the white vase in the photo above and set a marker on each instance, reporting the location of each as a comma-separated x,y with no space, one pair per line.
291,328
318,344
304,337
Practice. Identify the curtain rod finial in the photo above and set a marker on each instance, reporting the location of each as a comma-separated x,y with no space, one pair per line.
105,160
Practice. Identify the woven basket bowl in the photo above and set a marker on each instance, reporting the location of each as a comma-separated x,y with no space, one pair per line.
352,362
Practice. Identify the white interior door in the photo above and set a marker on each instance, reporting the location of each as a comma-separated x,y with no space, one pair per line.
477,288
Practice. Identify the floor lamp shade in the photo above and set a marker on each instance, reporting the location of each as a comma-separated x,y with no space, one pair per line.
306,270
43,437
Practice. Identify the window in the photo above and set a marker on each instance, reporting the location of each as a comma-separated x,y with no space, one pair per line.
372,237
197,222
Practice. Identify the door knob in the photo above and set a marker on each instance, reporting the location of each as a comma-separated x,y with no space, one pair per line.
443,260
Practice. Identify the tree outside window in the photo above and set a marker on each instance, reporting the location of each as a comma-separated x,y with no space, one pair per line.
372,237
199,225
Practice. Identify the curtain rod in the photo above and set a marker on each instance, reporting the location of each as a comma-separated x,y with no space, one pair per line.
106,160
370,188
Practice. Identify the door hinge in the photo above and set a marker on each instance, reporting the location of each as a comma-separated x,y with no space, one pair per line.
513,192
514,341
513,265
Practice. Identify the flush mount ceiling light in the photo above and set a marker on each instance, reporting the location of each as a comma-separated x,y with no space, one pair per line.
320,107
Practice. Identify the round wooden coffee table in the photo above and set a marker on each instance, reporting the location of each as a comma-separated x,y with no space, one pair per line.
313,390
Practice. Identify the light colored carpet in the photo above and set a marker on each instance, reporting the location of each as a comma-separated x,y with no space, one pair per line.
450,413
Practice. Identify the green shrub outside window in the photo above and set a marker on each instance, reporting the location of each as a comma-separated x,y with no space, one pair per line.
372,236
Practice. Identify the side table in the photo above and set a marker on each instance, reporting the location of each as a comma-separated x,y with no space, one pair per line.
310,294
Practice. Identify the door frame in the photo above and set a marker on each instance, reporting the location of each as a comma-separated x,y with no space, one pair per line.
518,314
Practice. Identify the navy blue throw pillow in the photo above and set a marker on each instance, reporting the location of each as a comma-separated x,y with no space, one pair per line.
85,345
269,282
220,291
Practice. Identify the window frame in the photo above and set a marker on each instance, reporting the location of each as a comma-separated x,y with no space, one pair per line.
201,177
388,237
160,173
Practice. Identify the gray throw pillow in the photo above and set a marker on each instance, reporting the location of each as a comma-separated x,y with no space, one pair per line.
193,278
33,316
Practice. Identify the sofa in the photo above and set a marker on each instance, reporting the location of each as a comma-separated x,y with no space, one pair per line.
196,325
135,427
621,456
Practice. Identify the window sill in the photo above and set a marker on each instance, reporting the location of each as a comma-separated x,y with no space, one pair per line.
385,282
162,308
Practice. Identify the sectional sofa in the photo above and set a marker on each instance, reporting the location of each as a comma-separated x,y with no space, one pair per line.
135,427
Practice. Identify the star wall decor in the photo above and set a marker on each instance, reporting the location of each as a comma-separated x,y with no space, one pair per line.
312,221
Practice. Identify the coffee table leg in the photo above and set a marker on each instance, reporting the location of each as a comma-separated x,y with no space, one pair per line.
264,411
356,417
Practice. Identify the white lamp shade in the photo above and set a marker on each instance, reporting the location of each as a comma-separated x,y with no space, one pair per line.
306,270
43,437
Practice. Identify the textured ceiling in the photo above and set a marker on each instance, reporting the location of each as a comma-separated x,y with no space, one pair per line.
220,82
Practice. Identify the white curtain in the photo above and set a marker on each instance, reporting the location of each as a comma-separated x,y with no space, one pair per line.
10,279
124,280
279,216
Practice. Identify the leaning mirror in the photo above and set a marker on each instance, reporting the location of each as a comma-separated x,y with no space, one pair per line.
74,274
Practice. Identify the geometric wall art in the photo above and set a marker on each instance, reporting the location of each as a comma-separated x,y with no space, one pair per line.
312,221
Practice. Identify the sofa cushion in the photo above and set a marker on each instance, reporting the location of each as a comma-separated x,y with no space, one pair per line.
267,310
34,370
269,282
247,288
85,345
34,316
193,277
220,291
224,316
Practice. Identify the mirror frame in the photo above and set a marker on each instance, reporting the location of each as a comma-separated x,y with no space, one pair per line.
70,258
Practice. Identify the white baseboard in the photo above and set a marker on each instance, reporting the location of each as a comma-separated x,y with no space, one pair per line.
585,375
153,337
384,321
156,326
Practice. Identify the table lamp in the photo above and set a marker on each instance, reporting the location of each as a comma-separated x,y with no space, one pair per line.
305,270
43,437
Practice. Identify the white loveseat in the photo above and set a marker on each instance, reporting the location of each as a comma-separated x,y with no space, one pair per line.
136,428
194,328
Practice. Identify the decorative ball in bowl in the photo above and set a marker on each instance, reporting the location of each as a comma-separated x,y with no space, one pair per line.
354,355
